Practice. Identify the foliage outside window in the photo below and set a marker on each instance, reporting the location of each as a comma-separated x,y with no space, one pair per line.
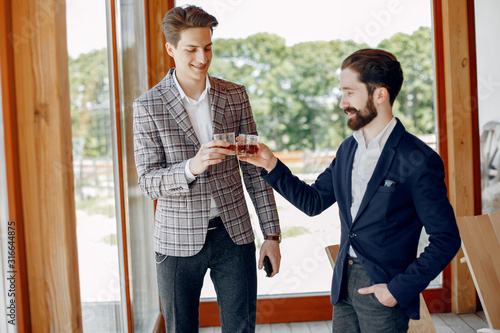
294,92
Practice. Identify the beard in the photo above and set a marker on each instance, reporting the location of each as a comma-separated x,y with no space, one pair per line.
362,116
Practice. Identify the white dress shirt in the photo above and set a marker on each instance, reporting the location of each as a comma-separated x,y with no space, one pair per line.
200,115
365,160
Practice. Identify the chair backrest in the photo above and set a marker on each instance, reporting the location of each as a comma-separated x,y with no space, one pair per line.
481,246
331,252
424,325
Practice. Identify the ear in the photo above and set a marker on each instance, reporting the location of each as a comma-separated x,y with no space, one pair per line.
381,95
169,48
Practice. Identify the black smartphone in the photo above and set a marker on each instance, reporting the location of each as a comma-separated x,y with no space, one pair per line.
267,266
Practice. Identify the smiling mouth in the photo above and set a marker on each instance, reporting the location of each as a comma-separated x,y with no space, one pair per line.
350,110
200,66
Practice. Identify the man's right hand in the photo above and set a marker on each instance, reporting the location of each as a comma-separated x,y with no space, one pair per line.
264,158
209,155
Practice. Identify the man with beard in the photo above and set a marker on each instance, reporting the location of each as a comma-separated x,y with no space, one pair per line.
388,185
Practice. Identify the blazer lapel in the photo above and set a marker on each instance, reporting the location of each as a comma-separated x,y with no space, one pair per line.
348,178
172,98
382,168
218,103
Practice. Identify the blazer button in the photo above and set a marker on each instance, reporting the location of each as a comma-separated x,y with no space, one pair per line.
352,235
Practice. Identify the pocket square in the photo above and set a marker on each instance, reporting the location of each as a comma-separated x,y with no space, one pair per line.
389,183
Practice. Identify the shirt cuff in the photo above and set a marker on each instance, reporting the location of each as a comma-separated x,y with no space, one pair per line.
187,172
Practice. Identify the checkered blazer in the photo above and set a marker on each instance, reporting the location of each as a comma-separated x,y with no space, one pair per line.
164,140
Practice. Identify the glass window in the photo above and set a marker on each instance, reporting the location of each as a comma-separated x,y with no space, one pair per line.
96,127
139,210
288,56
488,85
93,154
8,273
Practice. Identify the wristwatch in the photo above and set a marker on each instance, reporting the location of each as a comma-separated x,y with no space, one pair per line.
273,237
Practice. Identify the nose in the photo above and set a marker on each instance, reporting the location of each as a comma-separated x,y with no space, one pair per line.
201,56
343,103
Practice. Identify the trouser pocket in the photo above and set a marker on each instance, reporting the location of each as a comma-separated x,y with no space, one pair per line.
159,258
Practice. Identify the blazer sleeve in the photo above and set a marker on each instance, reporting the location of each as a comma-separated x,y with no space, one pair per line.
310,199
429,193
260,193
156,178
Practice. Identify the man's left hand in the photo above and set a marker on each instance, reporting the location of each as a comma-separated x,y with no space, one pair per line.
381,292
271,249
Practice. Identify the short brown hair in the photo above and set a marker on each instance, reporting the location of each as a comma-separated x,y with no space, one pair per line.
179,19
376,68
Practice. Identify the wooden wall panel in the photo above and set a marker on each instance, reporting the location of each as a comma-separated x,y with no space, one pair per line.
45,159
460,109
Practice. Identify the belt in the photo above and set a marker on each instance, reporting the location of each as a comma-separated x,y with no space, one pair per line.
214,223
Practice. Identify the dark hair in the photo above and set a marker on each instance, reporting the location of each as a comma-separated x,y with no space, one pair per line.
376,68
179,19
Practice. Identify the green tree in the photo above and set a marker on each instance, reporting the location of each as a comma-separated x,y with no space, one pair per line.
415,103
89,92
291,89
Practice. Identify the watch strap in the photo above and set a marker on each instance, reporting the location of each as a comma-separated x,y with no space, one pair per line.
273,237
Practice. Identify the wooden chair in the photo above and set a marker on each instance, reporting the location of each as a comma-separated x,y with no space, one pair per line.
481,247
424,325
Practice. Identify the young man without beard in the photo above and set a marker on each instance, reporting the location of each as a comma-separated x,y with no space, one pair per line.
201,219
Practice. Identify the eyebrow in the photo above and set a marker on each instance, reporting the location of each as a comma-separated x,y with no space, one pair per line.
190,45
346,88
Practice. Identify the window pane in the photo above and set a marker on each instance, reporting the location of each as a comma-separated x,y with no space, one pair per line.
488,81
139,209
288,55
93,167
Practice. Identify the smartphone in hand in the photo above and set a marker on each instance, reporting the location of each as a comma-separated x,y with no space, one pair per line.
267,266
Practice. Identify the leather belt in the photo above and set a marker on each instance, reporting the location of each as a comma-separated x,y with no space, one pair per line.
214,223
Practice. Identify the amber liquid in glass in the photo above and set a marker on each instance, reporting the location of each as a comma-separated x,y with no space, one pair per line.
252,150
230,147
247,150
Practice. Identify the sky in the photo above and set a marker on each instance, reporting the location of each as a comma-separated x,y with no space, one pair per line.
361,20
366,21
86,25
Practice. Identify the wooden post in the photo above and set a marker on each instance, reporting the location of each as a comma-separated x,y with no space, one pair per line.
46,170
460,132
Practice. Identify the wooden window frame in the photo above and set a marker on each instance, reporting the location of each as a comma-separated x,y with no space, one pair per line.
12,164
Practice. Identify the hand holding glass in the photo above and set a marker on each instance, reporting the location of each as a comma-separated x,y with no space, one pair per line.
247,145
228,137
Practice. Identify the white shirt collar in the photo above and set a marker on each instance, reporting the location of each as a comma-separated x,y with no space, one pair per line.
380,139
183,94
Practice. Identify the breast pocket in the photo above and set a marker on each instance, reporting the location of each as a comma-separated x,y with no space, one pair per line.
382,199
386,189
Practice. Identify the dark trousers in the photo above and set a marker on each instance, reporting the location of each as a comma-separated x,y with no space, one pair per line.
356,313
233,272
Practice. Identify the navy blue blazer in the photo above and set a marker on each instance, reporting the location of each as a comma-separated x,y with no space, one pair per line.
406,192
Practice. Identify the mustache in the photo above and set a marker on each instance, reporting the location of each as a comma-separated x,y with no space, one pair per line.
350,110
